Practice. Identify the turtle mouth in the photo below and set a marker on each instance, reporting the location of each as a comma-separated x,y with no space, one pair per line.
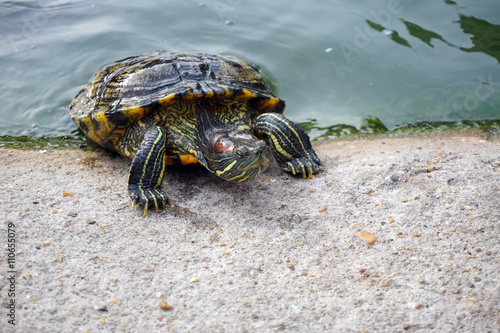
261,161
246,170
252,170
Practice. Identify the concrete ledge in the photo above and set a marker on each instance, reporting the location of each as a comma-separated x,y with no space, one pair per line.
280,253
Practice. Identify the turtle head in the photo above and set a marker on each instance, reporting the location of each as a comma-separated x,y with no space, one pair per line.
235,155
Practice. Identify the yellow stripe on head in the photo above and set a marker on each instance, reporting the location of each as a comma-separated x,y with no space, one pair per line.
229,167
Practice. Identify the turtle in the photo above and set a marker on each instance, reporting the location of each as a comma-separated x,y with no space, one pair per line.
164,108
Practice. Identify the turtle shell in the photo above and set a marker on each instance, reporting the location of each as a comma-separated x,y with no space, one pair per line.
123,92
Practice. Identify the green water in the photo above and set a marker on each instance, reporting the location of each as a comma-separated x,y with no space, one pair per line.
338,64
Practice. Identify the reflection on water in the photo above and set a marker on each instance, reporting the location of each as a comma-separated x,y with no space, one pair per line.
485,36
424,35
392,34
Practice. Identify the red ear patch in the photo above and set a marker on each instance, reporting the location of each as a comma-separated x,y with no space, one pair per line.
222,147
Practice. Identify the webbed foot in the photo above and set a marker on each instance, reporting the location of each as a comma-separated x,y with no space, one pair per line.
154,197
306,165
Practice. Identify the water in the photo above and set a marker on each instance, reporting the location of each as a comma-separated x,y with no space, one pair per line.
334,62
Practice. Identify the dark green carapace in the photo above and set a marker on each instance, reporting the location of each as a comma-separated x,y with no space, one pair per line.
163,108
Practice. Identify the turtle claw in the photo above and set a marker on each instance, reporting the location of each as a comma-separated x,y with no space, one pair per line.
149,197
306,165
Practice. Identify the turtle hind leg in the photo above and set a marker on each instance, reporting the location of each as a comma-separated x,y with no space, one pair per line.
147,171
290,144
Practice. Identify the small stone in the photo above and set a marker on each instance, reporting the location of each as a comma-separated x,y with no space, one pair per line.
406,326
165,306
46,243
386,283
290,266
194,280
367,237
442,290
418,306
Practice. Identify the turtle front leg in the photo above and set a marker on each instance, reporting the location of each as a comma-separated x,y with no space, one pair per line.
290,144
147,170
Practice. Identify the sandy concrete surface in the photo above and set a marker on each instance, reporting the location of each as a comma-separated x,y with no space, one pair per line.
277,254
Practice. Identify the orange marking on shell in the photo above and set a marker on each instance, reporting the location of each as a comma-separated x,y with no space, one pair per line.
178,160
188,159
168,100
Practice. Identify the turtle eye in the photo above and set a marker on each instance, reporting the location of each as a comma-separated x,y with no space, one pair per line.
223,146
242,152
